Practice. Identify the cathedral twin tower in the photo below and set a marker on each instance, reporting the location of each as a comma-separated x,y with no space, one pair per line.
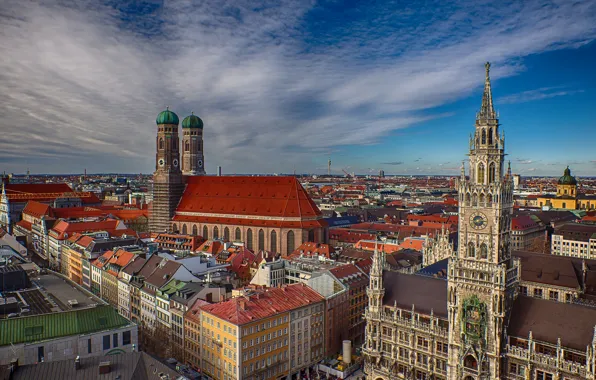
170,171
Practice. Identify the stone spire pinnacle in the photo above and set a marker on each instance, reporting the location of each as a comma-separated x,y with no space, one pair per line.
487,111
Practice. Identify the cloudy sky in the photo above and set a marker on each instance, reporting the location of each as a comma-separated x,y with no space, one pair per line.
284,85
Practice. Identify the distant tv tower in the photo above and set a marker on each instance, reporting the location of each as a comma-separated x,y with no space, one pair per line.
329,167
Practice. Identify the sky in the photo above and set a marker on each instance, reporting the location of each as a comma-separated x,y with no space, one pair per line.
284,85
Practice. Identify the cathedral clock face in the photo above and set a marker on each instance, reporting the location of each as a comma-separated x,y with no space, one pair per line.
478,220
175,162
200,163
161,162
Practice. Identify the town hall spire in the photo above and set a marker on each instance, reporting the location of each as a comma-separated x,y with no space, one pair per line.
487,111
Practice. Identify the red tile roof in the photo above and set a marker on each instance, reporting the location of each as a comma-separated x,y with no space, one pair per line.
37,209
38,188
24,224
281,197
264,303
523,222
313,249
62,229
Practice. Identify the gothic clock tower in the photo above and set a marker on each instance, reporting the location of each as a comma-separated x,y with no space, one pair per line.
483,278
168,182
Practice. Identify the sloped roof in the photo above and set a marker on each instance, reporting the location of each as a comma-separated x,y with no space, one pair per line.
37,209
37,188
54,325
265,303
425,293
547,269
127,366
550,320
243,195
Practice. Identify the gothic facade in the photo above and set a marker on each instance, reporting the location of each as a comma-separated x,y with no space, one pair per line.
475,324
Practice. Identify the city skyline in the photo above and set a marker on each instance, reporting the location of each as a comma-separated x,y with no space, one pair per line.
284,87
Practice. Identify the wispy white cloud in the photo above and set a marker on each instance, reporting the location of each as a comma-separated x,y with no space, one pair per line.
537,94
81,82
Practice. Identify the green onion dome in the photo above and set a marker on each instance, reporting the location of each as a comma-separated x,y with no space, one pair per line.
567,178
192,121
167,117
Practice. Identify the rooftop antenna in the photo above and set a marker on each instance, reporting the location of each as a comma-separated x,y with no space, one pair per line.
329,167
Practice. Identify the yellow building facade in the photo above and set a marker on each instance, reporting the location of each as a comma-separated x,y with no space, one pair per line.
248,337
567,196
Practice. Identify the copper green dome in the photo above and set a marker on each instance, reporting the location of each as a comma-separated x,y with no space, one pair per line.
167,117
192,121
567,178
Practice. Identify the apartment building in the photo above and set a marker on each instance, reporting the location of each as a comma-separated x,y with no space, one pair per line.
249,337
574,240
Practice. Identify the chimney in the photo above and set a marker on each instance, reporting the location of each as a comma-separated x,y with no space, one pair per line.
104,367
77,363
242,304
14,365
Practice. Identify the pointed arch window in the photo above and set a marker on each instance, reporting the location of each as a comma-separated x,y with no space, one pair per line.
174,227
471,250
261,239
290,242
475,199
273,241
492,172
161,144
467,199
215,233
226,234
483,251
490,136
470,362
311,235
184,229
238,234
483,136
249,239
481,173
187,146
195,230
481,199
205,233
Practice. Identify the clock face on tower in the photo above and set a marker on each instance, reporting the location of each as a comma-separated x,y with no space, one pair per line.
200,163
175,162
478,220
161,162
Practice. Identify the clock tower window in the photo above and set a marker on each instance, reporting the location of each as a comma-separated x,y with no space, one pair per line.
481,173
471,250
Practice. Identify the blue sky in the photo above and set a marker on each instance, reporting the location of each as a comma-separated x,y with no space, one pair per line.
283,85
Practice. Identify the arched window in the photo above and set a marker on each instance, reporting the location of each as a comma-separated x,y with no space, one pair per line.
483,251
564,205
273,241
470,362
471,250
205,233
175,144
492,172
226,234
174,227
194,230
187,146
490,136
249,239
467,199
481,199
290,243
474,199
483,137
160,143
238,236
565,191
184,230
215,233
311,235
480,178
261,240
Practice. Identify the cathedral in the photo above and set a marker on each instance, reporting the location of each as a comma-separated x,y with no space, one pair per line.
476,324
264,213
